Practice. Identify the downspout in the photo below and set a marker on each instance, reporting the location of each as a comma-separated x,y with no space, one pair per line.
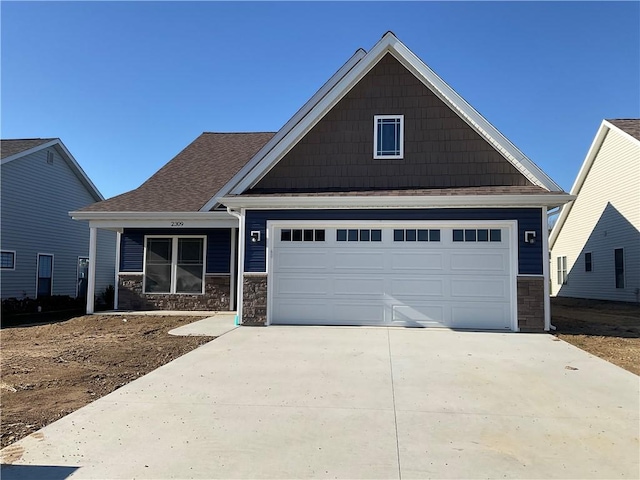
241,228
117,271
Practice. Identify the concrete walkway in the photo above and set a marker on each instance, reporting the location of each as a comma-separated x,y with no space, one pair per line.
323,402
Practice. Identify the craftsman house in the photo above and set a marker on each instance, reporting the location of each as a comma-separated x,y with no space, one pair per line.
595,244
44,252
386,199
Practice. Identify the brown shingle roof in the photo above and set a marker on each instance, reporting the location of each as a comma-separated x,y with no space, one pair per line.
13,146
189,181
629,125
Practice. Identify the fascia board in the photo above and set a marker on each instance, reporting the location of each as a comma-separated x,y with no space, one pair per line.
24,153
594,149
471,201
213,216
75,166
299,115
472,117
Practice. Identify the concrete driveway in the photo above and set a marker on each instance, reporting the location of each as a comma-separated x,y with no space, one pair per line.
300,402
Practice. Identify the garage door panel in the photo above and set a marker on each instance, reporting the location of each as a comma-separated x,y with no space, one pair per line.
417,260
295,285
433,315
301,311
290,259
358,312
494,316
420,287
352,285
482,288
486,262
359,260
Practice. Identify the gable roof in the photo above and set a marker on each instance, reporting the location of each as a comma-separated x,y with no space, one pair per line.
630,128
191,177
14,149
347,78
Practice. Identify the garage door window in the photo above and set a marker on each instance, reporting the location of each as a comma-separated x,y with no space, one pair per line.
477,235
358,235
300,235
416,235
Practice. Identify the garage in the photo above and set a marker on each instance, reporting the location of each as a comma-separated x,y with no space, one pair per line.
458,275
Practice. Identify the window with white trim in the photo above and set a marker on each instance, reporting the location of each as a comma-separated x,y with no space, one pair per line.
562,270
388,136
8,260
618,258
174,264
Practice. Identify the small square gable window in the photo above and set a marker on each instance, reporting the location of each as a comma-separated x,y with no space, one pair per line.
388,136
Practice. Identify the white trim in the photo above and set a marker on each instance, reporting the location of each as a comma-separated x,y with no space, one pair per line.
594,149
373,201
78,271
376,123
122,274
511,225
15,257
241,234
174,264
232,269
545,270
66,155
116,296
265,160
38,255
93,257
275,140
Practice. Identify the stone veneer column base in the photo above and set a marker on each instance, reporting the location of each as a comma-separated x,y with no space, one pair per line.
254,299
531,304
215,297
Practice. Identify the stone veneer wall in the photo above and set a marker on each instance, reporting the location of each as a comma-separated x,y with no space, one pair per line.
254,300
130,296
531,304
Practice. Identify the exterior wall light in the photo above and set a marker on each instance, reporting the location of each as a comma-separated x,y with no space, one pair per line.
255,236
530,237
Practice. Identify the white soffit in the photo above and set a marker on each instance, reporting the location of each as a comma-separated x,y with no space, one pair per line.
293,132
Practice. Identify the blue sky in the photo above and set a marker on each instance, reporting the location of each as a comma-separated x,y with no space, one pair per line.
127,85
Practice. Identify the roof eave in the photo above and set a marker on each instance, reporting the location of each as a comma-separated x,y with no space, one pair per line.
409,201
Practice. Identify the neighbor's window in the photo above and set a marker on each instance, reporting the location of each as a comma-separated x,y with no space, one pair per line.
562,270
618,254
388,136
8,260
587,262
174,265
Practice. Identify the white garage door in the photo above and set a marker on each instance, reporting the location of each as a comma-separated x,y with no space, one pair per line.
456,276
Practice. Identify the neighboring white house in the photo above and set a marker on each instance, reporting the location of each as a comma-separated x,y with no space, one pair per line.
43,251
595,244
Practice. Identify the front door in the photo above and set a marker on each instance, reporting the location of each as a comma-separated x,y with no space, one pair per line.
45,275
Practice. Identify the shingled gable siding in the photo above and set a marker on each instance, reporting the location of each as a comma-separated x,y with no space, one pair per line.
440,149
529,255
218,247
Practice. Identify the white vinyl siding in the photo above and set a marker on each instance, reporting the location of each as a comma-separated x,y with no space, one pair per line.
604,217
37,197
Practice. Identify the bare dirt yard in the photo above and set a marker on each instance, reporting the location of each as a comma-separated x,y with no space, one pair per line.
605,329
50,370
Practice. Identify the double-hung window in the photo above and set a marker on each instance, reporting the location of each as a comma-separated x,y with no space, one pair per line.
562,270
174,264
618,258
388,136
8,260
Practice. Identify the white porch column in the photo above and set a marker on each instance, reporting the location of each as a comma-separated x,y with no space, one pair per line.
117,270
232,270
91,287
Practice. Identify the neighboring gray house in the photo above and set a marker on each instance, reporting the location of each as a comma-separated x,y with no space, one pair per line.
43,251
385,200
595,244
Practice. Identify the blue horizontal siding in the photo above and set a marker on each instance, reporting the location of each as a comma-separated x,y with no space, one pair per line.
529,255
218,247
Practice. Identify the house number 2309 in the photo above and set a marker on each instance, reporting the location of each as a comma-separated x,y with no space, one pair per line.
177,224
